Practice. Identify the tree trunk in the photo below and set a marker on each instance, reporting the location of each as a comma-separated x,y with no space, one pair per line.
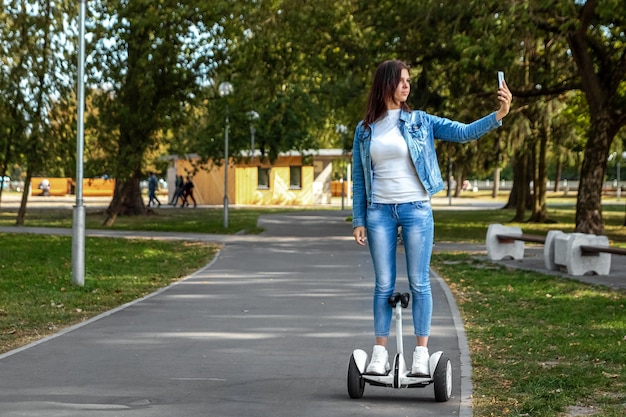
558,162
531,172
5,162
601,85
496,183
127,200
496,171
520,190
540,211
589,200
21,213
459,174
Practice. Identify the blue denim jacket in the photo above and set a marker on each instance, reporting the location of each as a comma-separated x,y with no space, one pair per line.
419,130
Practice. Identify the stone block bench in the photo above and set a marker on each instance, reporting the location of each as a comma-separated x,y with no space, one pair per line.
508,242
580,253
576,253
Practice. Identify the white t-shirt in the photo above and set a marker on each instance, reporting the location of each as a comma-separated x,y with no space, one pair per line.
395,180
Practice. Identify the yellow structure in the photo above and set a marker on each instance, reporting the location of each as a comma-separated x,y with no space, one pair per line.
92,187
58,186
98,187
287,181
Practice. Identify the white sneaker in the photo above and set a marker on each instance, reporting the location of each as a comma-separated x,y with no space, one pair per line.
420,361
379,365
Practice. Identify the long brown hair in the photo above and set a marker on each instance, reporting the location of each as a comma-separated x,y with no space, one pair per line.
386,80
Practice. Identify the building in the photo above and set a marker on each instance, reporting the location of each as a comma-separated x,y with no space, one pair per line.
293,179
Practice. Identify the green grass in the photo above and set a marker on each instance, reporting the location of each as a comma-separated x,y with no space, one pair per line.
198,220
539,343
471,225
36,295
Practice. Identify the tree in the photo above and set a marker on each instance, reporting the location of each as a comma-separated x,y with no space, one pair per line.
595,35
598,47
155,85
302,83
149,62
37,56
569,46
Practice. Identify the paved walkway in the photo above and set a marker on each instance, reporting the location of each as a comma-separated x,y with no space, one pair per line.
266,329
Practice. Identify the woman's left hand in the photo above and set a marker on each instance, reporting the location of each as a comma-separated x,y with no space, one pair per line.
505,97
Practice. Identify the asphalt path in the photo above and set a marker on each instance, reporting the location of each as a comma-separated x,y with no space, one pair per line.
266,329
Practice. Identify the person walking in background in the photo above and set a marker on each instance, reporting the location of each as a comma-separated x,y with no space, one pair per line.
178,191
153,185
188,193
395,173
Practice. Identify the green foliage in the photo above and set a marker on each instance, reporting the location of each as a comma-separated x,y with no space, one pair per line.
148,73
37,76
305,67
295,79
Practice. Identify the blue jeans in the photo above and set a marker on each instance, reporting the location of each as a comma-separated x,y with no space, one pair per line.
416,220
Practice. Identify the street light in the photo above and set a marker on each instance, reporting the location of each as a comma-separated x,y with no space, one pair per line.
78,214
252,116
225,89
342,130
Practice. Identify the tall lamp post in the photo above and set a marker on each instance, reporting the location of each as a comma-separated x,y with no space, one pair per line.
342,130
78,227
252,116
225,89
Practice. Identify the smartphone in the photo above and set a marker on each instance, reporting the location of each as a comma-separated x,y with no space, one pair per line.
500,78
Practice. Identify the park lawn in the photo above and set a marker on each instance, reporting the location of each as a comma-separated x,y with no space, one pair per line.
187,220
471,225
540,345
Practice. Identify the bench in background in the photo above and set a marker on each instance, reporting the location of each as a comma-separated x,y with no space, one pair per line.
577,253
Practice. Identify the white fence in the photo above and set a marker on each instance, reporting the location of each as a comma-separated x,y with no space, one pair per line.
564,185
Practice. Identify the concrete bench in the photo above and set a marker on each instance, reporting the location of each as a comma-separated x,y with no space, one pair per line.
576,253
508,242
581,253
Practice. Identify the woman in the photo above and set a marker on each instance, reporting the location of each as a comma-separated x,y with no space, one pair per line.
395,172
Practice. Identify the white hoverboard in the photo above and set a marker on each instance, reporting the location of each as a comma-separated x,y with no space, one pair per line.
399,376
